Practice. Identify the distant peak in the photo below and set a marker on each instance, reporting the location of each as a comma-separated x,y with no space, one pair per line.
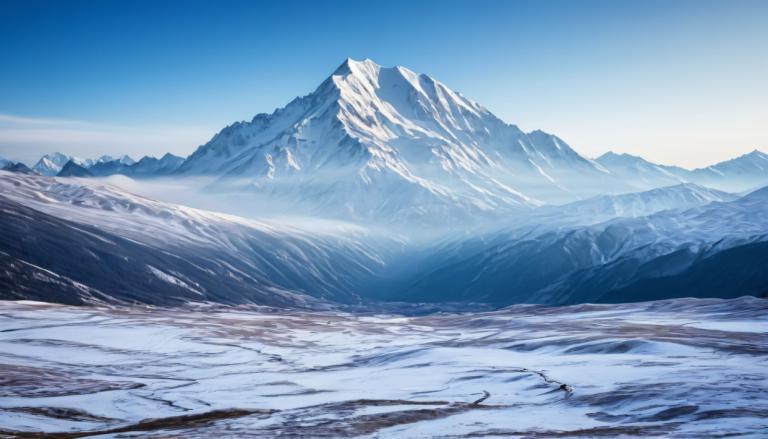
612,154
616,157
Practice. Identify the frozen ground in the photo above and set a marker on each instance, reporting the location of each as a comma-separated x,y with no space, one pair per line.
679,368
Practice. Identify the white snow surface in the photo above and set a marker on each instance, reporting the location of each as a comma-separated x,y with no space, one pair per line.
681,368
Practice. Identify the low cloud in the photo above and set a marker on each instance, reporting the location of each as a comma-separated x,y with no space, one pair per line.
26,138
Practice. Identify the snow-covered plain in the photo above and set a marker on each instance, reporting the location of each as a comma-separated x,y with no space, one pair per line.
680,368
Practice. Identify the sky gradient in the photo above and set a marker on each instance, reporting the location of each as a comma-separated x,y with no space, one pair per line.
678,82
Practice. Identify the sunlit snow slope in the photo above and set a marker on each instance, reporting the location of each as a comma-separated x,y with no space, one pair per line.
74,241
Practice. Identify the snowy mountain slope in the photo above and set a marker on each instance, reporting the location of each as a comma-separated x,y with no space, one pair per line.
641,173
566,263
16,167
72,169
374,141
147,167
153,167
103,168
51,164
130,248
599,209
605,207
738,174
51,259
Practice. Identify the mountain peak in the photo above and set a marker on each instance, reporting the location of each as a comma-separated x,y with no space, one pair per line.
72,169
352,66
612,154
756,153
51,164
614,157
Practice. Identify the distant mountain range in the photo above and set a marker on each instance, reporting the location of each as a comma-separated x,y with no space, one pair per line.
59,164
745,172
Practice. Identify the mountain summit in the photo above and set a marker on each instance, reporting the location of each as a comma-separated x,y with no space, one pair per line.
373,141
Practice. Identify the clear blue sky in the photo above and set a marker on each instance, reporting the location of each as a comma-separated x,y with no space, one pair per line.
681,82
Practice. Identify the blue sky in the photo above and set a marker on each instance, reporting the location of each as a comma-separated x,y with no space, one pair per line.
680,82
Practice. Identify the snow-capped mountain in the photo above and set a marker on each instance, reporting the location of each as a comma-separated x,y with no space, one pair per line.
606,207
107,165
73,169
641,173
388,142
152,167
16,167
147,167
125,160
104,168
51,164
738,174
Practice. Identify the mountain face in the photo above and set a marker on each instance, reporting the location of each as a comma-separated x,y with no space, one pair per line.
388,142
51,164
641,173
69,242
745,172
606,207
17,167
147,167
109,167
742,173
72,169
153,167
